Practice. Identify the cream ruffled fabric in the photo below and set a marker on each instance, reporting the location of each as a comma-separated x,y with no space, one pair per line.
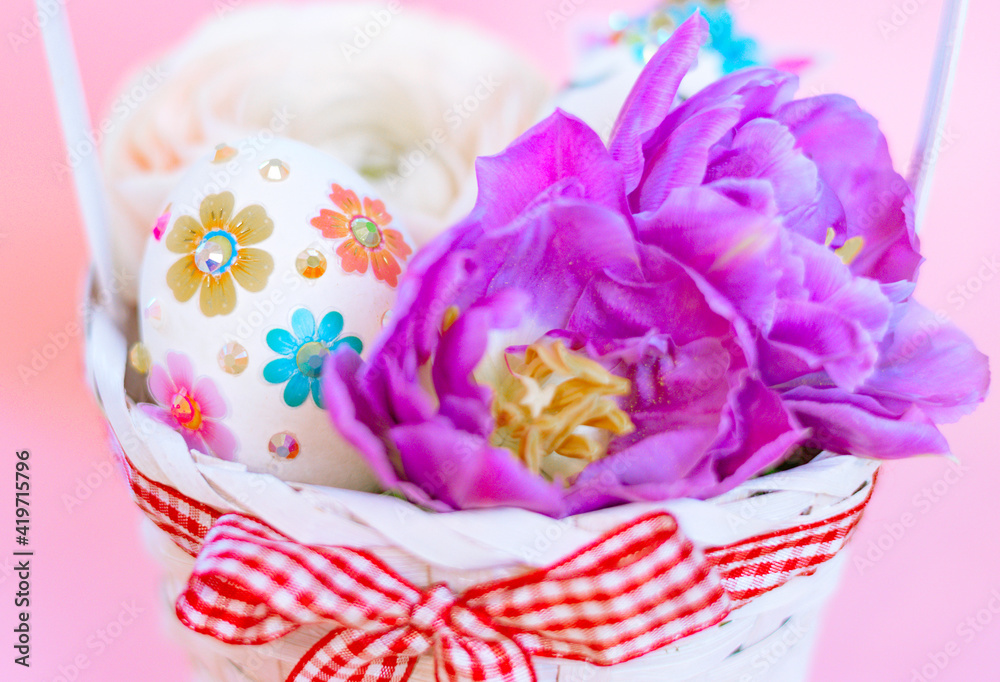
406,98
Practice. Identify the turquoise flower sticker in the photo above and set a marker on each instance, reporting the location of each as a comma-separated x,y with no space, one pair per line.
304,349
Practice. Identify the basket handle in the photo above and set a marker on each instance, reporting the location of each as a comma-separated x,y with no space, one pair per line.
91,193
949,43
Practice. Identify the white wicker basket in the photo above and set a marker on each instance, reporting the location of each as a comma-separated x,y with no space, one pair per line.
768,638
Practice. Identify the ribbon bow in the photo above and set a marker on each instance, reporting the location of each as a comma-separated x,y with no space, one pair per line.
633,591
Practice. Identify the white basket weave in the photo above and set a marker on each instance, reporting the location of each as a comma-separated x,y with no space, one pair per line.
768,638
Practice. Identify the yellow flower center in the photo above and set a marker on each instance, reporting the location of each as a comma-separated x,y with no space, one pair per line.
555,410
450,315
186,410
851,248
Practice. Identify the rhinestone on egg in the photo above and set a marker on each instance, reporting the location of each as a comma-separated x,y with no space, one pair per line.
386,318
139,357
366,232
214,253
223,152
309,358
161,223
284,445
274,170
233,358
181,407
311,264
186,410
153,312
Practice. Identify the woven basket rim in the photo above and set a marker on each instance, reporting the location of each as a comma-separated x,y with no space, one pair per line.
315,514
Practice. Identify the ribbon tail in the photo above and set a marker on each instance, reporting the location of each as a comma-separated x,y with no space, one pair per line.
344,655
464,659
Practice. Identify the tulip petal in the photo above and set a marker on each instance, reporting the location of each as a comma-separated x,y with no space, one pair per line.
860,425
735,248
433,454
853,159
765,149
624,307
930,362
683,160
559,156
653,94
353,415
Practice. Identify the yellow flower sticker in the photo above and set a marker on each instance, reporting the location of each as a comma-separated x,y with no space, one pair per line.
216,253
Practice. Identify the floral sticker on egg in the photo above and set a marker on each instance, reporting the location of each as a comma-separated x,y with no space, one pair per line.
364,226
192,407
245,260
304,349
216,253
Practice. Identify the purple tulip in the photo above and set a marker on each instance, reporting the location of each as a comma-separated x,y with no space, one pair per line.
449,405
664,317
824,279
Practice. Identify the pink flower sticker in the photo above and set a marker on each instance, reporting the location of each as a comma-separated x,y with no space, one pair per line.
192,407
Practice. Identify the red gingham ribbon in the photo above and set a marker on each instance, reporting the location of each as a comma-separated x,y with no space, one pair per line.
636,589
761,563
633,591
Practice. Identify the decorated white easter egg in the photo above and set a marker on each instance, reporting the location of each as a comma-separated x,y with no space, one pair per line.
268,257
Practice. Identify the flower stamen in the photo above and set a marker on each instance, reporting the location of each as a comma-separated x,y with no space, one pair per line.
850,250
450,315
556,402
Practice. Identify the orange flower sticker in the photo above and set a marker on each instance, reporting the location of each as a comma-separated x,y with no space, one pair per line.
365,225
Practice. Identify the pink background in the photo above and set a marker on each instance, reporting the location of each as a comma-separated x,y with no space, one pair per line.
930,538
